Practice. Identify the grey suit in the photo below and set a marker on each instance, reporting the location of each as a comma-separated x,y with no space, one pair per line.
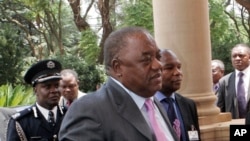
5,114
227,100
108,114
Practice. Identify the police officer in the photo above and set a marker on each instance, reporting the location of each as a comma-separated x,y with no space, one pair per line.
40,122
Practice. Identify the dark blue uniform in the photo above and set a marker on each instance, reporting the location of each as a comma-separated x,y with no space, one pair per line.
30,124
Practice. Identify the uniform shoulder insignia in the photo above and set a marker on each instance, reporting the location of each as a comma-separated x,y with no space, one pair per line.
22,113
63,109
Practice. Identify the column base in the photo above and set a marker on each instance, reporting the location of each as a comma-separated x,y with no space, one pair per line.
219,131
221,117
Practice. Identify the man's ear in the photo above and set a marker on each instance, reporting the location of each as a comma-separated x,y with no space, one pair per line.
35,90
116,67
223,72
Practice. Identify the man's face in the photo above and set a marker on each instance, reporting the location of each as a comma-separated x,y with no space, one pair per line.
139,66
240,58
171,73
69,87
217,72
47,93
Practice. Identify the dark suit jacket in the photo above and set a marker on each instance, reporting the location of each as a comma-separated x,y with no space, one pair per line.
34,125
109,114
188,112
247,119
227,100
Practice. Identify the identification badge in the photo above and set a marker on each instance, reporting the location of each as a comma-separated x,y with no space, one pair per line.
193,134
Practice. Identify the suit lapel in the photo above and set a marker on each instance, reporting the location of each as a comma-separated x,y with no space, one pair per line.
165,117
44,123
59,119
232,95
128,109
182,107
135,118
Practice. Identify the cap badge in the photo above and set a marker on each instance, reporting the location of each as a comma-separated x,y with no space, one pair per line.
51,64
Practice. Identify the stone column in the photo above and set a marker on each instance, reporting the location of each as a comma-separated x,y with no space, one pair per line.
183,26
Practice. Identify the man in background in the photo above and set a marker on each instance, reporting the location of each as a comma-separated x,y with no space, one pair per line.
234,93
218,69
69,87
42,120
182,111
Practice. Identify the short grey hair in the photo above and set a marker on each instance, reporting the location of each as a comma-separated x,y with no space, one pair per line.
246,46
69,71
219,63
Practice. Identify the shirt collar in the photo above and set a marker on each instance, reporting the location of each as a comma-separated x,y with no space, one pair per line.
160,96
245,71
139,101
44,111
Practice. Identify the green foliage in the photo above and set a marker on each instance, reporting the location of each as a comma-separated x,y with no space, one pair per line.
83,60
219,22
42,25
11,54
137,13
16,96
38,5
88,47
89,74
50,27
223,33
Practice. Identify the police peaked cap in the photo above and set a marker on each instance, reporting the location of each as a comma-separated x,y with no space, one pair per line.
42,71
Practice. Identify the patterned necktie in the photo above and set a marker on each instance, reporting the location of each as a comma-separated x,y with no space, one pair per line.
51,118
241,96
172,116
151,114
170,110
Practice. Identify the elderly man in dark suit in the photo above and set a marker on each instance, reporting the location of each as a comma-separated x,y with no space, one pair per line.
123,109
183,109
40,122
233,93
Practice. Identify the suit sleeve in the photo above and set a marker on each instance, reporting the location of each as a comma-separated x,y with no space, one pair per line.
221,97
196,120
81,122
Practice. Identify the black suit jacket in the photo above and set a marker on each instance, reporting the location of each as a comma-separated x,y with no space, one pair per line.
188,112
34,125
247,121
187,109
109,114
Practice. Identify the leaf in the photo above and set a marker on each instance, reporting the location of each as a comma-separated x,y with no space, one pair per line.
16,96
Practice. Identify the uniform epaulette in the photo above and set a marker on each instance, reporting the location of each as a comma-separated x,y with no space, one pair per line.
22,113
62,109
